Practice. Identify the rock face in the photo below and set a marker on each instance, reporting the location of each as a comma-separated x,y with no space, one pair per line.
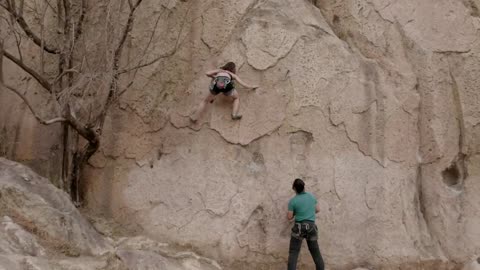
35,204
41,229
373,103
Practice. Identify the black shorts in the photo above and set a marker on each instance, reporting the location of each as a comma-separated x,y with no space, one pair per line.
215,92
229,87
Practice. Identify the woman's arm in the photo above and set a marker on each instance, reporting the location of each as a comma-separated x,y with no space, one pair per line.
212,73
236,78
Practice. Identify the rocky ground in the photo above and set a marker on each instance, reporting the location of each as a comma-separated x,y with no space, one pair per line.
41,229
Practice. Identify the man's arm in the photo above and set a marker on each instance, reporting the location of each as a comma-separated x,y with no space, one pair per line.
317,208
290,215
291,210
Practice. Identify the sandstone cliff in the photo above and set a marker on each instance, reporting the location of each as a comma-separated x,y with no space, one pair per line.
373,103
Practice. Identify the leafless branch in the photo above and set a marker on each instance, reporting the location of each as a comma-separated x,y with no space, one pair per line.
18,42
152,34
67,18
151,62
16,35
28,31
50,6
61,29
83,130
42,28
79,27
158,58
112,89
3,6
67,7
126,31
1,61
146,47
11,4
68,71
20,9
67,41
30,71
22,96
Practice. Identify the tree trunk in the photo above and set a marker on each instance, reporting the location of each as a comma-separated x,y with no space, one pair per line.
78,164
80,159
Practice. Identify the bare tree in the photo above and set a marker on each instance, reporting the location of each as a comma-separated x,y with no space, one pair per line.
70,82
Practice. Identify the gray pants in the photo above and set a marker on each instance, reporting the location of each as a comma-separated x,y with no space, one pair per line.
307,230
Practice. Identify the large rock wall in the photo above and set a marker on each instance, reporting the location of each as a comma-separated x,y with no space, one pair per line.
373,103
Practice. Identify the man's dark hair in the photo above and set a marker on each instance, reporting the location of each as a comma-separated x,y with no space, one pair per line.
298,185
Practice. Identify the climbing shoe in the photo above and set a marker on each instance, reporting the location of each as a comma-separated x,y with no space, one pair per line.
236,117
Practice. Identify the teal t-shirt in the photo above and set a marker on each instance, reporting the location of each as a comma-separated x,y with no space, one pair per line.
303,206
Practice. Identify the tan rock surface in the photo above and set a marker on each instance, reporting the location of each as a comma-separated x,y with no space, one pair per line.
28,242
374,103
473,265
26,197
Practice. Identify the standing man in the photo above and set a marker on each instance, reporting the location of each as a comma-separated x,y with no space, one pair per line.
303,208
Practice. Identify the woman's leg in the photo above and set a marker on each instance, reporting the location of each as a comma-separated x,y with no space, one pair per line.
201,107
236,105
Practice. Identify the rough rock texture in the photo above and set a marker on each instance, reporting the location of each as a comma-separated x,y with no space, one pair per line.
473,265
35,204
374,103
31,237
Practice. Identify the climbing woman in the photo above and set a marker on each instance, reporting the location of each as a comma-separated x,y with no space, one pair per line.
223,82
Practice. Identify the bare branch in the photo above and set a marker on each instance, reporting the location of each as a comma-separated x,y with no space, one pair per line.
3,6
112,89
65,56
26,28
20,9
11,4
16,35
126,31
18,41
44,82
79,27
158,58
42,31
67,7
51,7
54,120
60,24
148,44
151,62
59,15
83,130
39,119
67,24
1,61
64,73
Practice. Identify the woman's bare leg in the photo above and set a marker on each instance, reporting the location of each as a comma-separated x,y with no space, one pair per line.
236,105
201,107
